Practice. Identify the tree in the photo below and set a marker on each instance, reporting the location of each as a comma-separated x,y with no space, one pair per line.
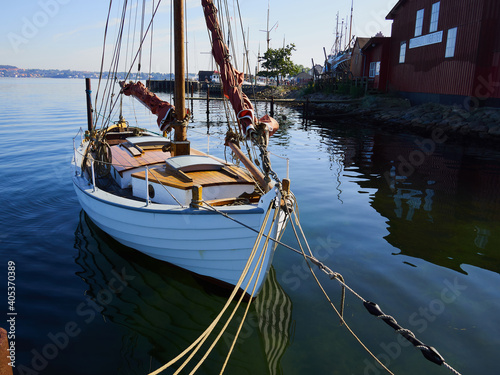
277,62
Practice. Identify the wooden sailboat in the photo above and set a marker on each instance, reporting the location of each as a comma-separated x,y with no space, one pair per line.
174,203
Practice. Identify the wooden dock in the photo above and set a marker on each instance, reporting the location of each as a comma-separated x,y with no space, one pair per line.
194,86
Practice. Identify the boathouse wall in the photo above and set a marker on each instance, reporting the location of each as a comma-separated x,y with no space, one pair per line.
446,51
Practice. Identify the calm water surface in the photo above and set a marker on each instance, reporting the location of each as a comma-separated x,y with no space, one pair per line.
411,223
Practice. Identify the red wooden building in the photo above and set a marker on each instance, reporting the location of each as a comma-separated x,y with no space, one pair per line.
376,54
446,51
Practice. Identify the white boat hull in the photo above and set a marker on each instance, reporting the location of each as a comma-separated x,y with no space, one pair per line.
203,242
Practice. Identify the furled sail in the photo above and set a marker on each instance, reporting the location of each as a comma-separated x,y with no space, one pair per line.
164,110
230,77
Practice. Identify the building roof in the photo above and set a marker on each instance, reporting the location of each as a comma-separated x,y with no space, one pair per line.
392,14
362,41
303,75
375,41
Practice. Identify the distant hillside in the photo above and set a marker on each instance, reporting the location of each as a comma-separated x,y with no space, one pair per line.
14,72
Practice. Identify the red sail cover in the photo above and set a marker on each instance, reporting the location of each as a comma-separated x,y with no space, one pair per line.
231,78
162,109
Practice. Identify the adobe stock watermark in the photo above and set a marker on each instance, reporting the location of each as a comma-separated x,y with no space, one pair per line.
485,88
426,147
417,322
30,26
298,273
378,21
57,342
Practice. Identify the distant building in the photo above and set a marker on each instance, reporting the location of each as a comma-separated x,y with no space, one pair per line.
446,51
303,78
205,75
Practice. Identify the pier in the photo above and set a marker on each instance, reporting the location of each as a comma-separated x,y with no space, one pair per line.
192,86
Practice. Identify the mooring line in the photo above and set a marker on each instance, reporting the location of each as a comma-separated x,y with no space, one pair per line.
340,315
429,352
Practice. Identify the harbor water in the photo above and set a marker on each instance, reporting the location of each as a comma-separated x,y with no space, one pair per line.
411,222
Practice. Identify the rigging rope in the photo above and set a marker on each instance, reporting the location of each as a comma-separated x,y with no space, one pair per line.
110,103
103,54
142,35
151,49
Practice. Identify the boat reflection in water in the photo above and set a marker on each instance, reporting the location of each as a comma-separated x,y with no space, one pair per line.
164,308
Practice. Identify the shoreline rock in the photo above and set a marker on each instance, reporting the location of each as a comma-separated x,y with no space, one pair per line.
396,114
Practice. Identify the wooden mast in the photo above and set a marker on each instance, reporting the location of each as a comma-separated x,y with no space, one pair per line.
180,145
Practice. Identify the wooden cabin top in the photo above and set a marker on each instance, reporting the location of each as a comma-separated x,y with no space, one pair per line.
124,158
225,176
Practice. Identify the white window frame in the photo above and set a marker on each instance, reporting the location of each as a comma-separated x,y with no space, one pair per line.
434,17
373,68
419,22
402,53
451,41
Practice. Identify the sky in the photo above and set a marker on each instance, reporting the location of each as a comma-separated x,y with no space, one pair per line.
69,34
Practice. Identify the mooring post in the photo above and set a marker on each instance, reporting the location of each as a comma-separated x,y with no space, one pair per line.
88,91
197,196
208,100
272,106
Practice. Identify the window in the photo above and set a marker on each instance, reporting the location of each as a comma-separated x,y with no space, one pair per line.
419,22
450,42
374,69
434,17
402,53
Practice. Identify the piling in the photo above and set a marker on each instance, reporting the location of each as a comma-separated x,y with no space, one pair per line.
208,100
88,92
